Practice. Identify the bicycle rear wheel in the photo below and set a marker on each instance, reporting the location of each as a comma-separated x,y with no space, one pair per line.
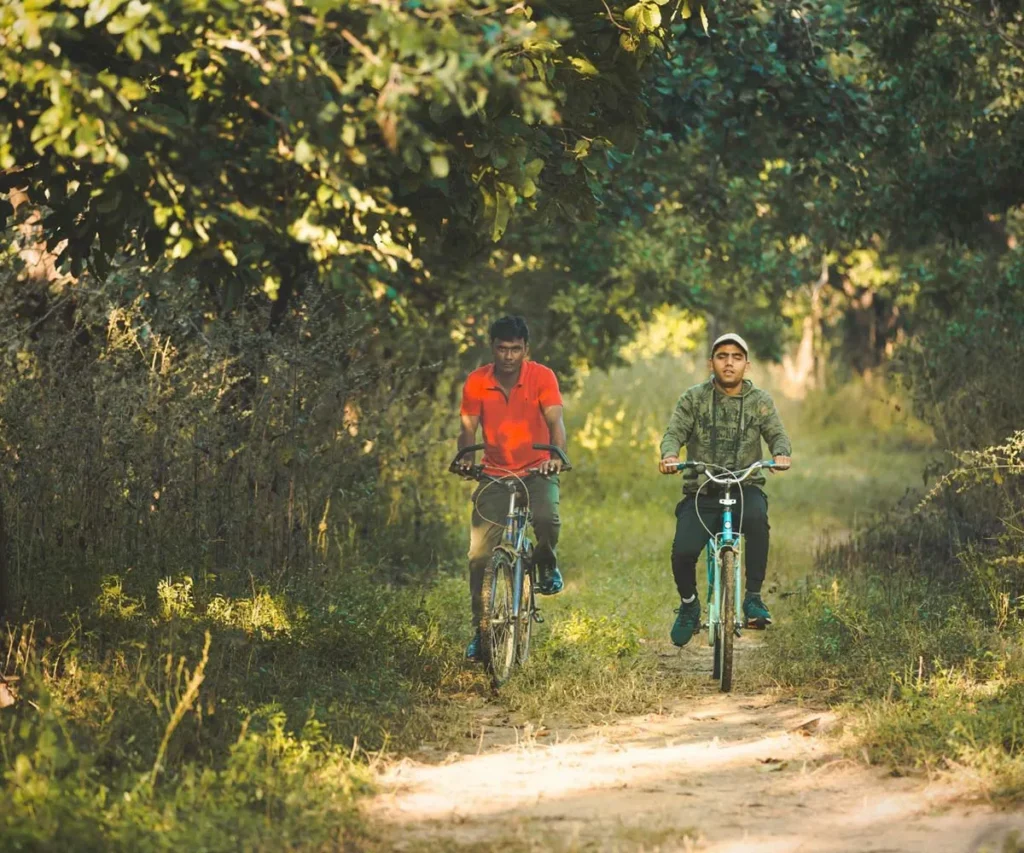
726,621
497,626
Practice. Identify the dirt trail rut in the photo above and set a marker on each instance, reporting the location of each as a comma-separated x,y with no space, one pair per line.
708,773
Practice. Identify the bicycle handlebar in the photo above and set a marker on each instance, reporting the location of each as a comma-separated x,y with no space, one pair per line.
477,470
730,477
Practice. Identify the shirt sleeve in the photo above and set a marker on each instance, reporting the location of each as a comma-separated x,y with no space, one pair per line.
548,394
680,427
472,402
772,430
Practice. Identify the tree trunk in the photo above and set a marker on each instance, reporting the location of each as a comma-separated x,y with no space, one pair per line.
5,585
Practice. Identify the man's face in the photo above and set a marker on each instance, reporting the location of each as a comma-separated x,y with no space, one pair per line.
729,363
509,356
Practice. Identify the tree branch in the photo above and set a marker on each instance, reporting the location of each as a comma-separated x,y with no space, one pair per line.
611,17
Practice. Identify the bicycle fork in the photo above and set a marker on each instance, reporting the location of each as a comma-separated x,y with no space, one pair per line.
514,540
731,540
728,539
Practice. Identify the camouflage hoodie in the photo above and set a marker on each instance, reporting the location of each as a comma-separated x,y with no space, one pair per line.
724,430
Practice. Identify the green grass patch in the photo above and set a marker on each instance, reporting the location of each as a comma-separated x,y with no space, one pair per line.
916,628
182,719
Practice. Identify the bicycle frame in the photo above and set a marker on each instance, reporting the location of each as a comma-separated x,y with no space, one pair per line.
733,540
513,540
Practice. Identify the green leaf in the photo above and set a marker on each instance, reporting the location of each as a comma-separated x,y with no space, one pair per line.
502,214
704,19
304,152
99,10
439,165
182,249
534,168
584,66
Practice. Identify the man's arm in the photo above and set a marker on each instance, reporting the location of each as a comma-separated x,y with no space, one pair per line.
775,435
556,427
677,433
467,437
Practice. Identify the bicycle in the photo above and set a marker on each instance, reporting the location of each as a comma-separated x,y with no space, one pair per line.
724,559
508,602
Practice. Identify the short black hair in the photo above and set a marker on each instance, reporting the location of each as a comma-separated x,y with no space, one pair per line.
510,328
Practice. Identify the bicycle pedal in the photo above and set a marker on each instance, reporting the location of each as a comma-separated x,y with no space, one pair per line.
757,624
537,617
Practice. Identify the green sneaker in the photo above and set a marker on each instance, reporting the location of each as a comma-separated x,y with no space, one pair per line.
755,611
687,622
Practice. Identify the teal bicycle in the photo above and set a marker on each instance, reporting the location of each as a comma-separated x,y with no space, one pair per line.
725,565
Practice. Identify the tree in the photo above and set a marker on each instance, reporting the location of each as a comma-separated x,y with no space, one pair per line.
255,141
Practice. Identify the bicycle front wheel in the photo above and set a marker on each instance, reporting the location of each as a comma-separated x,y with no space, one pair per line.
524,624
726,621
497,626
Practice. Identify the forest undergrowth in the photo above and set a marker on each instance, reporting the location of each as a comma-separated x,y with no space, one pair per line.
197,711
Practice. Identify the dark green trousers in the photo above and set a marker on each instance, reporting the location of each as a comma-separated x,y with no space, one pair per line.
490,509
691,537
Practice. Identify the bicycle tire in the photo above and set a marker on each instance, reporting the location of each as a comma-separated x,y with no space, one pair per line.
714,619
497,628
524,624
727,619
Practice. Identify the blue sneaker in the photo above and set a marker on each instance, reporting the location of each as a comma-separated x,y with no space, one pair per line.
473,649
549,582
687,622
755,611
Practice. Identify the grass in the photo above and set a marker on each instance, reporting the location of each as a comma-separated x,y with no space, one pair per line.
180,715
915,627
215,724
928,683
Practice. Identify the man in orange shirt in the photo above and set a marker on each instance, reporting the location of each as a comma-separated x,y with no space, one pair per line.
518,404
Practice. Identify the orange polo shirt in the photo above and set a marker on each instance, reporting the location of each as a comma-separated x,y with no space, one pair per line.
512,424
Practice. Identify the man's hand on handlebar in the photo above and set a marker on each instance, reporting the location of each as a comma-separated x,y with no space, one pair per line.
781,463
668,464
549,467
465,464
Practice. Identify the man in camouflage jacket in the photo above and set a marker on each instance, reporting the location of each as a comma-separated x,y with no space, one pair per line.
722,422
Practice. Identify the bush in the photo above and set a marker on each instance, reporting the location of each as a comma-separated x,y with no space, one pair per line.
919,622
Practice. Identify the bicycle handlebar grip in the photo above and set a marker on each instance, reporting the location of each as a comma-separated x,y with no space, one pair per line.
566,464
699,467
473,448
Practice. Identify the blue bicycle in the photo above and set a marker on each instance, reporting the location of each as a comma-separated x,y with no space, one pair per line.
507,598
725,565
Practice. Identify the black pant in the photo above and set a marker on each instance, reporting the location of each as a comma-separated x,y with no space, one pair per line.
691,537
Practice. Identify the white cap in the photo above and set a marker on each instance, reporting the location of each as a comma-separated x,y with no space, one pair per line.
731,338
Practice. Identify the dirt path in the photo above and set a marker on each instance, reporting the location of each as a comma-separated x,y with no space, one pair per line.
708,773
